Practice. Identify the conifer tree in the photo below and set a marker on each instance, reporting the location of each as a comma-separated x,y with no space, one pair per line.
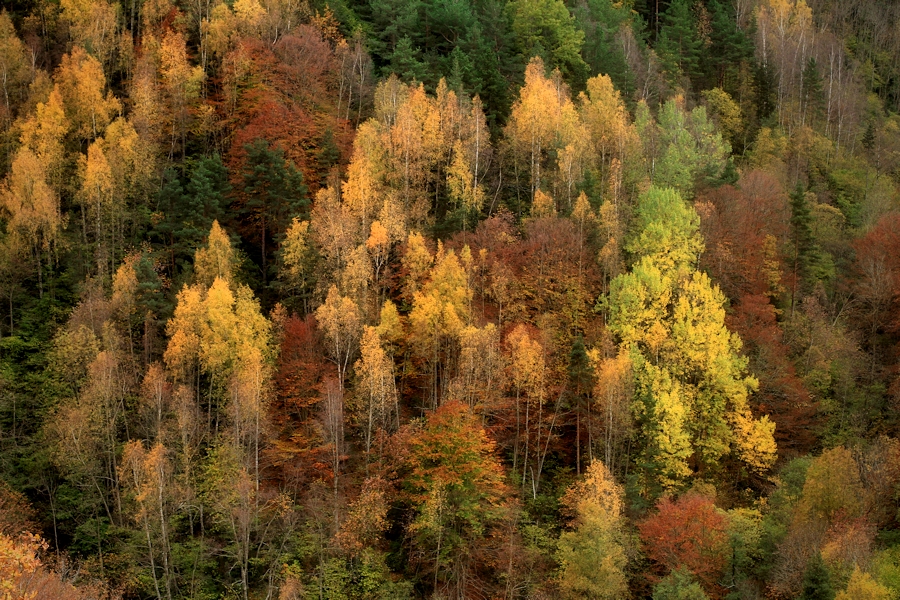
679,46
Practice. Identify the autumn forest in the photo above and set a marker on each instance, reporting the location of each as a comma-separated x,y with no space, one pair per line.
467,299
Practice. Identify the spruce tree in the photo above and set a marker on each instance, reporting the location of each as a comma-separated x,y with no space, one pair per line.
816,581
679,44
274,193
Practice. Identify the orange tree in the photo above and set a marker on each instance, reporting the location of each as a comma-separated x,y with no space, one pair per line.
456,486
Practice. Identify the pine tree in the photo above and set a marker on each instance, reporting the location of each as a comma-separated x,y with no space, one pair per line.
813,97
274,193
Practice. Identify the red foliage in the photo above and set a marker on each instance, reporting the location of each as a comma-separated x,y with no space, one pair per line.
298,450
284,94
877,287
688,532
781,394
877,271
735,224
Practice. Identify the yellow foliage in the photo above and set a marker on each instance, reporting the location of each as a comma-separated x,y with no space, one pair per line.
81,84
216,260
863,587
543,206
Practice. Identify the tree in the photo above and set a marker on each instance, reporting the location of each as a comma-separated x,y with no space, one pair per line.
14,73
592,555
545,28
543,121
375,372
679,45
817,581
31,208
679,585
340,320
455,484
216,260
146,476
688,532
863,587
671,320
81,85
528,376
440,312
274,192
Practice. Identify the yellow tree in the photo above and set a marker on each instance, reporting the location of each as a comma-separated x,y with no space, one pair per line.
31,208
606,118
543,120
181,84
97,196
146,478
591,554
216,259
341,322
82,86
375,386
14,71
44,133
92,25
528,376
691,385
440,311
479,373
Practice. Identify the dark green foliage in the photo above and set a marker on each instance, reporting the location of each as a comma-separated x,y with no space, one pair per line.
273,194
601,21
812,95
187,204
729,46
817,581
679,45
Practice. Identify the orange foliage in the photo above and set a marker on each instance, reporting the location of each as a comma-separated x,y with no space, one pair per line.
298,449
689,532
281,93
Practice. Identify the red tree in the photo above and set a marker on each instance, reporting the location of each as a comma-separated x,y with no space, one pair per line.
688,532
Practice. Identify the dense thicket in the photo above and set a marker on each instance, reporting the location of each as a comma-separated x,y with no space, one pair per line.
471,299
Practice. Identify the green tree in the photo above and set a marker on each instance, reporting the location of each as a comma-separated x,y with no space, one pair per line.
547,29
679,585
691,400
679,45
817,581
273,191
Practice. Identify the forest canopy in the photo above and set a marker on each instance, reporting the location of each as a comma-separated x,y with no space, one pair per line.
416,299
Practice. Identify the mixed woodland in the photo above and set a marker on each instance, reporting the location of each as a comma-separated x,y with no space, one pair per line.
388,299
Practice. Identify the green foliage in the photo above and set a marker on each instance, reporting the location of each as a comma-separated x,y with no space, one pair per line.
691,150
817,581
679,585
547,29
691,382
679,45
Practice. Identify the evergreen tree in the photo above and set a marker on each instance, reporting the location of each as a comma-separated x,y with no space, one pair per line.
601,21
817,581
812,95
405,62
729,45
274,193
679,45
